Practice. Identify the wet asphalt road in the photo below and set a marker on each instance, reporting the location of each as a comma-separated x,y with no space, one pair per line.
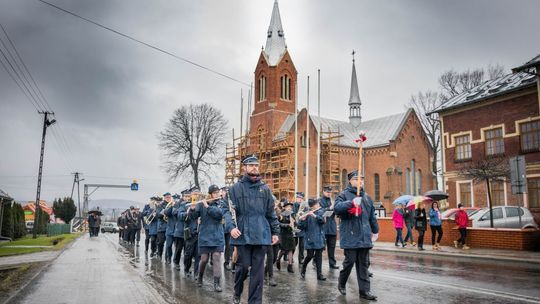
397,279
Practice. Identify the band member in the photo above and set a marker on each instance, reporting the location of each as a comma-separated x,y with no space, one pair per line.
138,225
162,223
179,241
256,228
171,226
131,222
357,228
150,213
300,207
329,227
120,223
272,253
147,210
312,224
191,237
287,243
212,215
228,248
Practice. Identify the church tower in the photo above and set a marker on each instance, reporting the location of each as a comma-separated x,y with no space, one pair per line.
275,83
355,115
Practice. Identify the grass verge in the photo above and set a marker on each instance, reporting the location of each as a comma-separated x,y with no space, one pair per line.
57,242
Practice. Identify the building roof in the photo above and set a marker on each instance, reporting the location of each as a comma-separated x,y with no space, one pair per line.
489,89
275,41
4,194
535,62
379,132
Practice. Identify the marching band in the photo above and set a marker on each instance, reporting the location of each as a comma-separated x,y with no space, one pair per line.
255,231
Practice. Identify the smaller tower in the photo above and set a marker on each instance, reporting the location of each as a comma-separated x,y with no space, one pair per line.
355,115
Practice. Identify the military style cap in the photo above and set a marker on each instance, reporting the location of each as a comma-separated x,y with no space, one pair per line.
250,160
300,194
353,174
195,189
312,202
167,193
328,188
212,189
186,191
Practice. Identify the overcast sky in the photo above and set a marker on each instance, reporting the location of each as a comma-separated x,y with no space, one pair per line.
112,96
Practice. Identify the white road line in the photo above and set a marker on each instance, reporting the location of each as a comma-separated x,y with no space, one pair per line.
501,294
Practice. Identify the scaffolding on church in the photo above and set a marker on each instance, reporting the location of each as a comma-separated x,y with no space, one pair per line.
330,169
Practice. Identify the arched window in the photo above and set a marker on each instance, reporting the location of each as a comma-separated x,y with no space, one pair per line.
303,140
344,179
408,181
285,87
377,189
413,178
262,88
419,181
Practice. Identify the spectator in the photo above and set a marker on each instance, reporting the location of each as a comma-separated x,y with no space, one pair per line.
397,220
462,220
420,224
435,224
409,222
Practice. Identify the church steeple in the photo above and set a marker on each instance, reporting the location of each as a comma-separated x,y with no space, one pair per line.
275,41
355,116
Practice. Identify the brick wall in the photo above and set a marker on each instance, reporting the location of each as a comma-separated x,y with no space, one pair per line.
513,239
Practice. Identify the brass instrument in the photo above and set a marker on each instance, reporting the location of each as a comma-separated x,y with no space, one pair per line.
150,218
166,218
194,202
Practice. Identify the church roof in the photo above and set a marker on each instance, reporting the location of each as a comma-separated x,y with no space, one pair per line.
4,194
379,131
275,41
355,95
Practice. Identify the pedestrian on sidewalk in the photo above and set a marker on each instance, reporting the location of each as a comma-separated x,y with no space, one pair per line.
420,224
287,243
462,220
408,216
358,228
211,235
330,227
435,222
312,224
257,227
138,224
397,220
91,224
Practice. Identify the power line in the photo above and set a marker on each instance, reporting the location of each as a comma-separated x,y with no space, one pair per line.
145,44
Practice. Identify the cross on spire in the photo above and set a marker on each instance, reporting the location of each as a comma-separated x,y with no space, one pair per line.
353,52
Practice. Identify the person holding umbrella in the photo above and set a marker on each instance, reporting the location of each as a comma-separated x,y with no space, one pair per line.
420,224
435,224
397,220
408,216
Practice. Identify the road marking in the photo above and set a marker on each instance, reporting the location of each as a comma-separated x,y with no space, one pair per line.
502,294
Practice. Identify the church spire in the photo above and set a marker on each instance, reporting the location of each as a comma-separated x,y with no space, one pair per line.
355,103
275,41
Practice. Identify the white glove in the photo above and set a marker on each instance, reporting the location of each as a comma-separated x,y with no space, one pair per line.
357,201
374,237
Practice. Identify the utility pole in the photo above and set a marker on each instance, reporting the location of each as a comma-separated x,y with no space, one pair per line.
76,180
46,123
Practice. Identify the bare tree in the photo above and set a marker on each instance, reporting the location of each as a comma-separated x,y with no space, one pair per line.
454,83
487,170
423,103
193,142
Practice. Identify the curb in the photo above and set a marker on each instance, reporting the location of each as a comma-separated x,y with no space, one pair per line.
458,255
40,271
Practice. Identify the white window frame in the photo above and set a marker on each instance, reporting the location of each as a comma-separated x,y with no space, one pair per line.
505,194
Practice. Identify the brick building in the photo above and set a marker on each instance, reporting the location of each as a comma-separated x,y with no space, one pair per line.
397,153
497,118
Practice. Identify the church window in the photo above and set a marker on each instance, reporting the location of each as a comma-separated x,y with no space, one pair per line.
262,88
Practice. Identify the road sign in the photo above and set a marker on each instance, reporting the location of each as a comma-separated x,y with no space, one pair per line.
134,186
518,174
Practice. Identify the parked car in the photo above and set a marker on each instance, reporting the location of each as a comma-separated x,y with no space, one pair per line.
109,227
29,226
451,213
504,217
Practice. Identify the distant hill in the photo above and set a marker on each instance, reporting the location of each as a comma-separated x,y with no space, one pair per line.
113,204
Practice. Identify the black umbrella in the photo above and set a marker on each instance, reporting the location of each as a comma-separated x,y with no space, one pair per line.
436,195
97,212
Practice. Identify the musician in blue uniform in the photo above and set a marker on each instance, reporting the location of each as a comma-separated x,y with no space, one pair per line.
149,213
179,241
329,228
312,224
171,226
227,255
357,229
191,237
300,206
162,224
256,228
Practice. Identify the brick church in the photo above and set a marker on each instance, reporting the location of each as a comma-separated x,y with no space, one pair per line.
397,155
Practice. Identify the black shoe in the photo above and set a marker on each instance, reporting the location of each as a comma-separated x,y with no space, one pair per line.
187,274
290,268
278,265
301,261
334,267
217,285
342,289
226,266
233,268
320,277
271,282
396,244
303,274
199,280
370,274
236,300
368,296
421,248
177,267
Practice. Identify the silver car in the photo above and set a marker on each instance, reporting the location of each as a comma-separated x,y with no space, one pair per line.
504,217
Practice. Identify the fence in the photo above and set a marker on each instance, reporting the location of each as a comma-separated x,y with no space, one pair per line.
56,229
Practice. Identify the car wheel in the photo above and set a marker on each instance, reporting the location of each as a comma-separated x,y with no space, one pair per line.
114,231
102,230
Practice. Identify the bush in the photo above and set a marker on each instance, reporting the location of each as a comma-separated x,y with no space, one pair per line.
19,225
64,209
43,220
7,222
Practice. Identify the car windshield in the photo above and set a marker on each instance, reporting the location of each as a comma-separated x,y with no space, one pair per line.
471,212
477,214
448,212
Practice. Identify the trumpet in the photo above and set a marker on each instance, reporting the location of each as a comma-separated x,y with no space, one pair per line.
194,202
150,218
166,218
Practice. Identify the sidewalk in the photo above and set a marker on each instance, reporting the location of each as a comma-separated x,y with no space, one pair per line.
14,260
90,270
476,253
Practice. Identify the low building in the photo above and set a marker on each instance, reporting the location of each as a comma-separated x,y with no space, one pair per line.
499,118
